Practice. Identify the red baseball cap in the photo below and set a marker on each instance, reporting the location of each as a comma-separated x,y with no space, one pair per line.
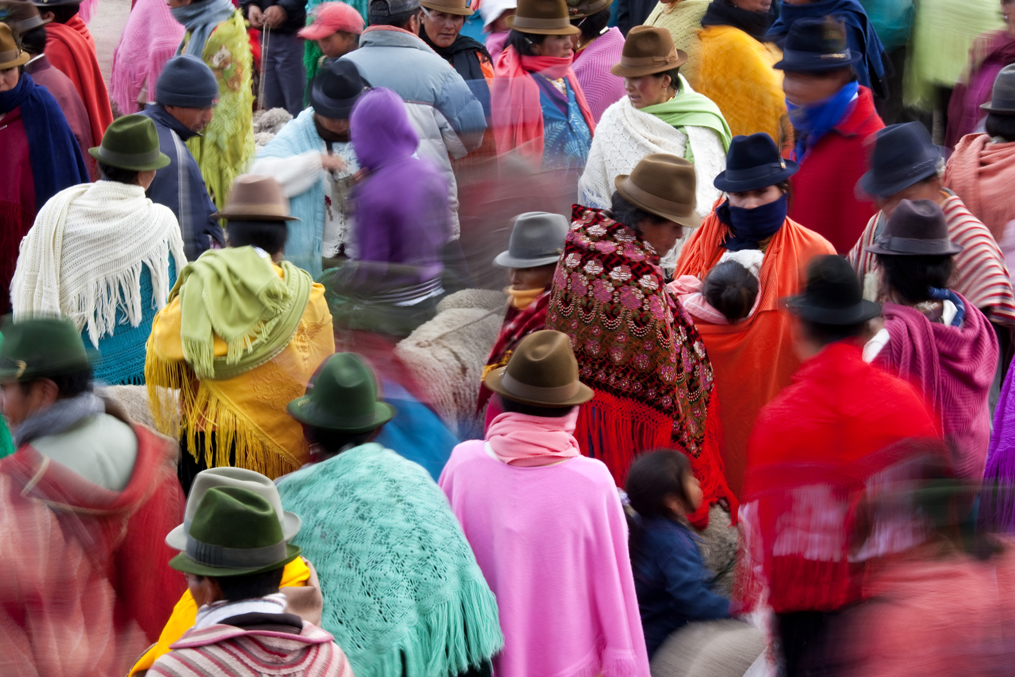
330,17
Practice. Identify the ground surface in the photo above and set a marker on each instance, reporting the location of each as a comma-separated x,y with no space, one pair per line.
106,27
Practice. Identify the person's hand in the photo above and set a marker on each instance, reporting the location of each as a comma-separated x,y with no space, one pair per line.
332,163
274,16
360,175
254,16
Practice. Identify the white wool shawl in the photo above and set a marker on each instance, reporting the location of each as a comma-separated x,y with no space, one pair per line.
83,256
625,135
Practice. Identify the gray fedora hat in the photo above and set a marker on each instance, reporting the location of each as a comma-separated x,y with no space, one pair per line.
537,239
1002,96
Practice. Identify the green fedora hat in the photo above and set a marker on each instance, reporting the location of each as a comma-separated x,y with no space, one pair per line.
234,532
131,143
40,347
343,397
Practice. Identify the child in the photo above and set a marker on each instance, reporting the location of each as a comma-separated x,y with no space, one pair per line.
670,579
729,293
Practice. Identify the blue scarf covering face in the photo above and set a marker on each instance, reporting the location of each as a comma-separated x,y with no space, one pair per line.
52,148
817,119
752,226
200,19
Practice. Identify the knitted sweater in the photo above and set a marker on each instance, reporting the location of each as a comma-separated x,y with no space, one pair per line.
592,68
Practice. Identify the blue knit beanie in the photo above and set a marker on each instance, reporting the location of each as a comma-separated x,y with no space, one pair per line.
186,81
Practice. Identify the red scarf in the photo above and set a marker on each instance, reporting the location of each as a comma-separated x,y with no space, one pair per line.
73,54
517,325
517,115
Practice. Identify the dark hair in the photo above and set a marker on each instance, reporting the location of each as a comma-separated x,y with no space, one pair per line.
631,216
826,334
34,41
654,476
522,42
731,289
268,235
533,409
249,586
400,20
911,277
63,13
335,441
68,385
118,174
592,25
1000,125
674,74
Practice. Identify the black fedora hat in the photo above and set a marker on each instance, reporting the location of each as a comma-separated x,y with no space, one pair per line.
336,90
903,155
816,45
833,295
1002,96
916,228
753,162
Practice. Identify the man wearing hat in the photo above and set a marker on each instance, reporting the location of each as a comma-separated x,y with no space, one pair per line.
234,554
833,115
400,583
85,502
537,241
280,21
335,27
598,49
525,497
185,99
105,255
241,335
851,416
313,161
906,165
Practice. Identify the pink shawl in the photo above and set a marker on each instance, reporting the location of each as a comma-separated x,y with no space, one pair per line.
149,40
953,367
529,441
592,68
982,173
688,289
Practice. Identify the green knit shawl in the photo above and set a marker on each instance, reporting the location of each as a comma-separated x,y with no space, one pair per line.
690,109
400,582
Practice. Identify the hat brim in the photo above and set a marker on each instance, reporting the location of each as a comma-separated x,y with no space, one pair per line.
505,260
494,379
815,65
727,186
162,161
948,248
569,30
622,71
317,31
16,373
305,410
21,60
177,538
596,8
997,111
868,187
459,11
839,317
691,220
188,566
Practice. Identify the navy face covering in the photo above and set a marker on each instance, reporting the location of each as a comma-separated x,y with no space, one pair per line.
751,226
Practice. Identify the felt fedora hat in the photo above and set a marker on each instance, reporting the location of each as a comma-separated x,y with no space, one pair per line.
903,154
235,532
21,16
11,54
459,7
337,89
41,347
342,396
648,50
232,477
131,143
815,46
255,198
537,239
663,185
753,162
833,295
542,371
542,17
579,9
1002,96
915,228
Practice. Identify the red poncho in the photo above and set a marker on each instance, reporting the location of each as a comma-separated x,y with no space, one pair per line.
71,50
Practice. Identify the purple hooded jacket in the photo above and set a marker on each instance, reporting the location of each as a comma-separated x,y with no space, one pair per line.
402,212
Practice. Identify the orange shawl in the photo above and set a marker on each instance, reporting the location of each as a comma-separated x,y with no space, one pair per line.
982,174
753,359
70,51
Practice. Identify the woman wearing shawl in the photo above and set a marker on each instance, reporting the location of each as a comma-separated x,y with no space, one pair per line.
539,109
40,155
216,33
932,336
753,359
736,69
636,347
660,114
599,47
682,18
149,40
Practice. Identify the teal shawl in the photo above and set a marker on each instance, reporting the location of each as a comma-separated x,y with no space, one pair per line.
690,109
400,583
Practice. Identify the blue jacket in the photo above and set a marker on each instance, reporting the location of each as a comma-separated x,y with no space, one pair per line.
671,581
180,186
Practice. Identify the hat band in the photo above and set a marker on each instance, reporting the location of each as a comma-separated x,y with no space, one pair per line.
908,245
653,202
647,61
754,173
525,254
789,55
234,558
10,55
549,394
924,169
112,157
270,209
28,24
522,22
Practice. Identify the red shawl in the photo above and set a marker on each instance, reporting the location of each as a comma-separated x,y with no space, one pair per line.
517,115
982,174
638,350
69,50
953,367
813,448
86,584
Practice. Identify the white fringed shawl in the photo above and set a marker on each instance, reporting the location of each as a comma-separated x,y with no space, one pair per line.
83,256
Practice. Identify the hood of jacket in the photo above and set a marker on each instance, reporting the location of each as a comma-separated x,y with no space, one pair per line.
390,36
380,129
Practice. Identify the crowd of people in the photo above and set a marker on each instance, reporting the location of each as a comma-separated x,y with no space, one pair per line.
759,298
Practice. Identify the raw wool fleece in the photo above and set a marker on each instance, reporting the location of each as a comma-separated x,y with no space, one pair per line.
403,594
446,356
111,231
268,123
723,648
133,400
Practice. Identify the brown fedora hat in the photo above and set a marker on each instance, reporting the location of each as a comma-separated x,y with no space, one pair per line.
579,9
648,50
11,54
459,7
542,17
255,198
542,371
663,185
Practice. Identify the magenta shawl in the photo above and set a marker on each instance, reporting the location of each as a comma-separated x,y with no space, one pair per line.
592,66
953,367
997,504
